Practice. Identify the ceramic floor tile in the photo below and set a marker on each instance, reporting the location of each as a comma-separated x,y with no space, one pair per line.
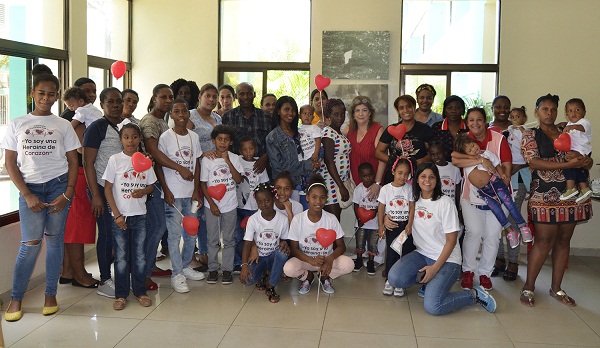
94,304
14,331
360,285
208,307
260,337
481,324
576,274
331,339
73,331
559,326
151,333
427,342
306,307
543,345
341,314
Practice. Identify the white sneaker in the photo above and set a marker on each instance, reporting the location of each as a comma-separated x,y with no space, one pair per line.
179,284
388,290
107,289
190,274
398,292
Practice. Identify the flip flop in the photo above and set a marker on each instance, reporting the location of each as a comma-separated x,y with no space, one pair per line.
562,297
527,298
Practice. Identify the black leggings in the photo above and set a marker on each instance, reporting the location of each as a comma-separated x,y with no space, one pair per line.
390,255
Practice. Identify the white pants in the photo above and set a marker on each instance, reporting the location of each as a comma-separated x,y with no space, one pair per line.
481,228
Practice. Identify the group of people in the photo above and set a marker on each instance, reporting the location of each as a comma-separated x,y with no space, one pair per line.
268,185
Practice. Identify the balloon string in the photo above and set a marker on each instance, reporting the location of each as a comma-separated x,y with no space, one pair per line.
169,204
322,109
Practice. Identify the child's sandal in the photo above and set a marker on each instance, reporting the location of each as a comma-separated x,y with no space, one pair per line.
273,296
562,297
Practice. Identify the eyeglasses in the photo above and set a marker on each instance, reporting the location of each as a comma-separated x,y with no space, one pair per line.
361,101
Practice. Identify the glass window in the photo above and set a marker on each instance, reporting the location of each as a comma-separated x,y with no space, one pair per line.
97,75
37,22
475,88
450,32
265,30
296,84
107,28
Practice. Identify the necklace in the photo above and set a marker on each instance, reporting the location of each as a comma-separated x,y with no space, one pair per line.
179,147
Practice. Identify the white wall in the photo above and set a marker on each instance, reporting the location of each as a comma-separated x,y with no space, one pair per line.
171,40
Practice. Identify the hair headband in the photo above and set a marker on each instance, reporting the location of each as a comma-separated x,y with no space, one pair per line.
427,87
316,183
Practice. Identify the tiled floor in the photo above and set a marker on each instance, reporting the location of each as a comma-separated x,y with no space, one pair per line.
357,315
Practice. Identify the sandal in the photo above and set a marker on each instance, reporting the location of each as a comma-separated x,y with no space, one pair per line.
510,274
527,298
260,285
562,297
285,278
273,296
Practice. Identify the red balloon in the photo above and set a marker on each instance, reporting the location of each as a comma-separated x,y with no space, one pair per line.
325,237
217,192
563,142
118,69
365,215
322,82
140,162
244,222
190,225
397,131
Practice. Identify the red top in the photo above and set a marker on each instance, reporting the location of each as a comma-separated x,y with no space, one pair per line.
363,151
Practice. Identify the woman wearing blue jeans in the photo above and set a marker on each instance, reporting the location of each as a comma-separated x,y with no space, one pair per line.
437,258
41,159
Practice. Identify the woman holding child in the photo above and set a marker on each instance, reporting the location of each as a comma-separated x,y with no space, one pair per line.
481,226
554,219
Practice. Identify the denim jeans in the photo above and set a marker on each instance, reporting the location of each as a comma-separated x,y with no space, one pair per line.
202,234
34,226
179,259
496,190
274,263
239,235
130,257
512,255
155,227
364,235
104,244
438,298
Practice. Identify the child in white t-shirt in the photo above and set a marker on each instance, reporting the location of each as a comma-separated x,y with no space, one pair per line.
126,190
518,116
493,190
283,203
580,130
366,231
309,255
85,112
220,176
267,230
182,147
310,134
246,202
396,204
449,174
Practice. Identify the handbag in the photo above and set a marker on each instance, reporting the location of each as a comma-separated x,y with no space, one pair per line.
349,184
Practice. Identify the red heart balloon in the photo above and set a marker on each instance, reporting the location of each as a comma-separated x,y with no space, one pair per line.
322,82
325,237
140,162
365,215
190,225
563,142
397,131
118,69
244,222
217,192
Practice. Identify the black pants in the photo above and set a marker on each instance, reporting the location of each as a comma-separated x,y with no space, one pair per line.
391,257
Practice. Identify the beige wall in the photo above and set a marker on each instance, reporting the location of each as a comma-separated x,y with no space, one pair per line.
551,46
171,40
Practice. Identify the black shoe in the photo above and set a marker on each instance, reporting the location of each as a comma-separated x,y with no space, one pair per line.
358,263
212,278
237,269
202,268
62,280
499,267
78,284
227,278
371,267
